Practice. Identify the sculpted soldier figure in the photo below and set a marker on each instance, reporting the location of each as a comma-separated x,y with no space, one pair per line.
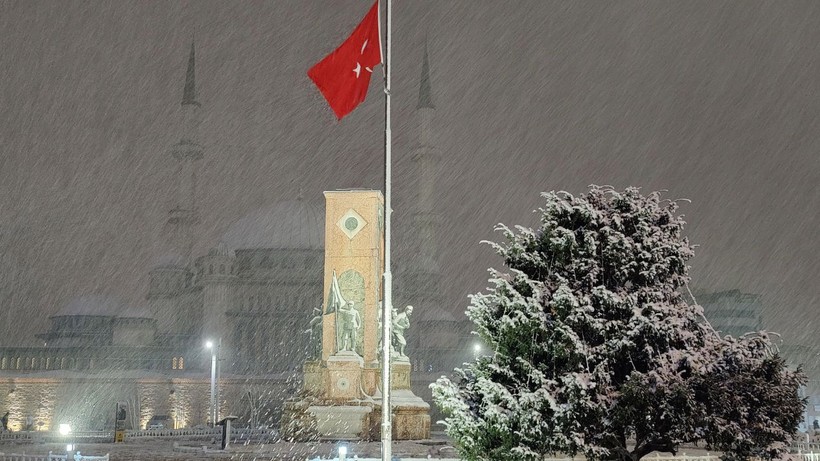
315,333
349,320
400,324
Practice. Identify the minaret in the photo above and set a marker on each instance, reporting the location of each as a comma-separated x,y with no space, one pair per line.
427,159
184,215
434,335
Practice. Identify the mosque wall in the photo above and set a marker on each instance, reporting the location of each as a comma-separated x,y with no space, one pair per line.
88,403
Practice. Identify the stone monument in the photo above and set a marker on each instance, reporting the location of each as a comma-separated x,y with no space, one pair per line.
341,397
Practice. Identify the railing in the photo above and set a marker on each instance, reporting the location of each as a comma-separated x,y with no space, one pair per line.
95,436
20,435
806,447
83,435
683,457
50,457
810,456
190,432
663,457
656,456
395,458
38,436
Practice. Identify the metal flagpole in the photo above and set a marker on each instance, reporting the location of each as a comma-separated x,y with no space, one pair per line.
387,305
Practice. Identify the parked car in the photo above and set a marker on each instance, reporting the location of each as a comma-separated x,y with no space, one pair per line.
159,422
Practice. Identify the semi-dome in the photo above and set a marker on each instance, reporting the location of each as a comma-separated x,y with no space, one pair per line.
294,224
96,305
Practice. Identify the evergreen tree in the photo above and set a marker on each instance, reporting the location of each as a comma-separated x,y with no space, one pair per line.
596,351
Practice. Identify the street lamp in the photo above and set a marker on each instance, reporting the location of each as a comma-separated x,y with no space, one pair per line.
477,349
214,378
65,430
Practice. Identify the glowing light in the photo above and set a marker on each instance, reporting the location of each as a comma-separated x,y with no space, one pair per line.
65,429
342,452
477,348
209,344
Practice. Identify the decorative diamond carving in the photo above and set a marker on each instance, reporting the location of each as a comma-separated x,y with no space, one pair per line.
351,223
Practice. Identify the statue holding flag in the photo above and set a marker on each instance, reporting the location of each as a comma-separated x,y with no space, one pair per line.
348,319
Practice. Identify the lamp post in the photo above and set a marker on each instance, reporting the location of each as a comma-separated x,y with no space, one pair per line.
214,379
65,431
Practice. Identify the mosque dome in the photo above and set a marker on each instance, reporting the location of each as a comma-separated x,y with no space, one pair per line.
294,224
91,305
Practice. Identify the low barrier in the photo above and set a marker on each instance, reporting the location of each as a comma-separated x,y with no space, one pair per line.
51,457
656,456
810,456
806,447
188,432
21,436
44,437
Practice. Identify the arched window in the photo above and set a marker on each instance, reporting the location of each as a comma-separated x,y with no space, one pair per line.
181,363
3,363
174,363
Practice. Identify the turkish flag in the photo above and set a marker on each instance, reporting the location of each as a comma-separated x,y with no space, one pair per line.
344,75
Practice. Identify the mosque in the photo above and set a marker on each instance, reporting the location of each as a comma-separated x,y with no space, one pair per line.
253,295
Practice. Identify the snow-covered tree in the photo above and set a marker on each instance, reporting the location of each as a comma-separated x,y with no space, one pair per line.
596,351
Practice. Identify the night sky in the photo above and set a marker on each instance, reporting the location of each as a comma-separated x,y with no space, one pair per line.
715,102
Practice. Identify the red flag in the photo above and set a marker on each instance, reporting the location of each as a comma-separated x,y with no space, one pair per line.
344,75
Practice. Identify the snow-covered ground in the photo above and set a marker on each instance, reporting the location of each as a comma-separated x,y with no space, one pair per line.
163,449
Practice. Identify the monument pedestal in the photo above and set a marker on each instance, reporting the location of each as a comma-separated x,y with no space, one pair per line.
411,416
400,374
343,376
340,398
298,423
313,377
341,422
341,415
